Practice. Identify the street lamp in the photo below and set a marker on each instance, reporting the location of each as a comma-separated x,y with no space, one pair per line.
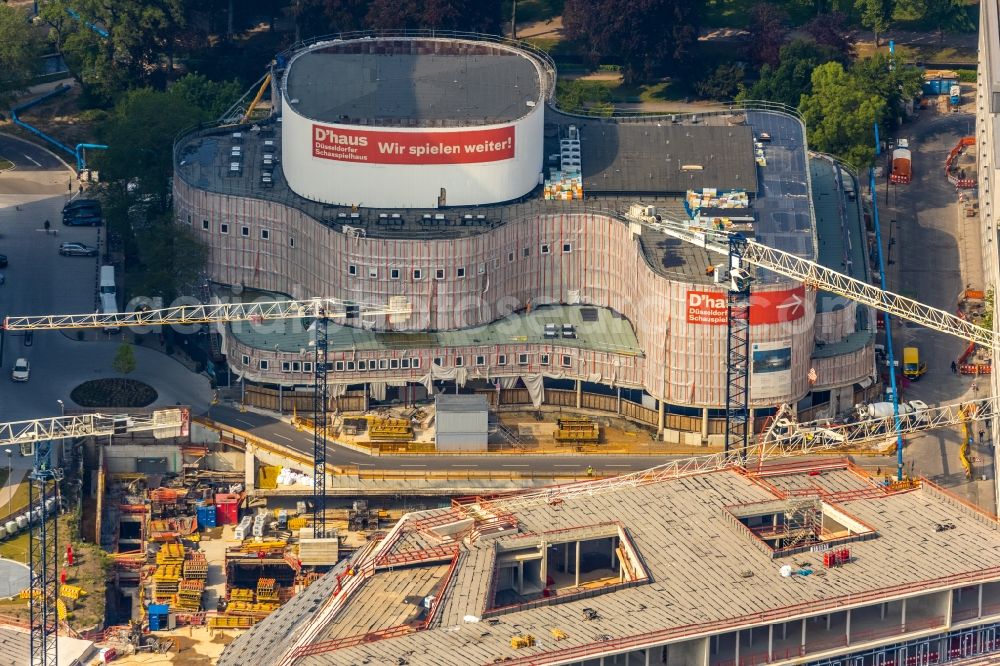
10,493
62,408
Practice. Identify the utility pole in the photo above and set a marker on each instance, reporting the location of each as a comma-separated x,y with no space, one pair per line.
513,20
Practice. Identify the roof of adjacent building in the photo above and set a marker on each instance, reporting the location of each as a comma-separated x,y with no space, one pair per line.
413,83
703,568
459,403
658,157
15,648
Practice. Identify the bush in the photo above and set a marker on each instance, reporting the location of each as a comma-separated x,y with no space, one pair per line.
966,75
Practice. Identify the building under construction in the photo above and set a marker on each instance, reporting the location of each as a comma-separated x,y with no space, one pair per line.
797,563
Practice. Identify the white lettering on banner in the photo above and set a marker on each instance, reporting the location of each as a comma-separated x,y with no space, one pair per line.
705,307
329,136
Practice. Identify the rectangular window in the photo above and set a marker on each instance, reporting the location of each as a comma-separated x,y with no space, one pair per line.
526,252
394,364
350,366
245,359
460,272
373,273
307,366
546,249
459,361
265,234
404,363
245,232
501,359
338,366
291,242
482,268
393,273
417,274
415,363
362,366
372,364
439,361
296,366
566,361
223,228
545,359
352,269
439,274
567,247
522,359
383,364
496,263
264,364
480,360
510,257
204,225
286,366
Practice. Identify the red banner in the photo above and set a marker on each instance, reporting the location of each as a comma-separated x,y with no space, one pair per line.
766,307
380,147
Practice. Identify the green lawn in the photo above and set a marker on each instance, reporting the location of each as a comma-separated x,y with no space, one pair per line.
20,498
5,164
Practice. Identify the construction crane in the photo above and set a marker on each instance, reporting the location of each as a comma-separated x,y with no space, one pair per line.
35,439
44,632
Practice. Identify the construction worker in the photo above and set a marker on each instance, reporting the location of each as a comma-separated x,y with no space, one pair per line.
954,368
590,471
982,436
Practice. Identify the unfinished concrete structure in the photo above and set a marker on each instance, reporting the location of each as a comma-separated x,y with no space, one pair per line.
799,563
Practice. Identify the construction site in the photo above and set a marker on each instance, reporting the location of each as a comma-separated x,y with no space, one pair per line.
561,390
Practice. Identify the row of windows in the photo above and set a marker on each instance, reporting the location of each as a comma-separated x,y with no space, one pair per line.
401,363
439,273
265,234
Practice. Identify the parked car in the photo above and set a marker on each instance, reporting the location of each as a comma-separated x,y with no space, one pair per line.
21,370
3,261
79,204
84,219
29,338
77,250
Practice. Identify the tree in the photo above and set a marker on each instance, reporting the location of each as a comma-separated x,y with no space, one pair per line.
723,84
346,15
641,34
171,259
19,51
894,82
792,78
876,15
840,116
124,361
830,30
465,15
768,29
947,16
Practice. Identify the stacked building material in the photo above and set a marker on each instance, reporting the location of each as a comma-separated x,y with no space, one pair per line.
165,581
231,621
245,608
576,429
390,429
170,553
241,594
267,590
188,597
196,567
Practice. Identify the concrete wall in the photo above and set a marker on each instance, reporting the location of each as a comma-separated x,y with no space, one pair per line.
122,457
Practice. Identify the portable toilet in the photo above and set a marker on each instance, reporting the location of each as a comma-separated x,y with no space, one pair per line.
22,521
12,527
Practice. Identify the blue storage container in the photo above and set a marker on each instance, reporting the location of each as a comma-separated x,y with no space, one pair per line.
206,516
159,609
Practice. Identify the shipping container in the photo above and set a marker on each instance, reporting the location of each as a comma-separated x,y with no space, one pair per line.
227,509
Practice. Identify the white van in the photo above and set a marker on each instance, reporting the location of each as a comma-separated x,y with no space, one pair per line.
109,303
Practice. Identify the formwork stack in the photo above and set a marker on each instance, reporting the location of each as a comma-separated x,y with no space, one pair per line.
576,430
195,566
166,579
390,429
188,597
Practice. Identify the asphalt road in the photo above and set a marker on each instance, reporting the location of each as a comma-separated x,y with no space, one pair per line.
281,433
935,255
26,156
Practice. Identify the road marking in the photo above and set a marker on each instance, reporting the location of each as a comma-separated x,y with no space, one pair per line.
287,439
465,465
515,465
38,164
413,465
246,422
567,465
617,465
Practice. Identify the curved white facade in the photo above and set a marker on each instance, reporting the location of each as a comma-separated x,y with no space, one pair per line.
402,167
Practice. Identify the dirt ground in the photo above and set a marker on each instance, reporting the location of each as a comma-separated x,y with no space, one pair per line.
195,646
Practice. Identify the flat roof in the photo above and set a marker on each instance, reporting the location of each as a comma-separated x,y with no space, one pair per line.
417,88
703,570
607,332
460,403
662,157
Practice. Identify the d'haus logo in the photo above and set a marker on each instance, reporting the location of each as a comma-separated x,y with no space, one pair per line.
329,136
